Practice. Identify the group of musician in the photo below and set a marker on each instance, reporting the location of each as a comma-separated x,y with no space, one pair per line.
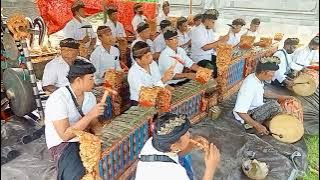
159,62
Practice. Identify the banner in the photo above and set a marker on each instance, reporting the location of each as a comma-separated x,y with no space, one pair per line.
57,13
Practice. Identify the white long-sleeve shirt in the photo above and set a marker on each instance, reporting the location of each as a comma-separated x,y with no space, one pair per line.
284,66
139,77
303,57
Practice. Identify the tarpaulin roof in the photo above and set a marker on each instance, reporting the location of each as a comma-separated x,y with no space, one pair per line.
56,13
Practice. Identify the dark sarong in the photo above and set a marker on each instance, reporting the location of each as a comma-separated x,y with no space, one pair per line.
67,158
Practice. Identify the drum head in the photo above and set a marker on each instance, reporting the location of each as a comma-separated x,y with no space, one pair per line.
288,126
306,85
18,88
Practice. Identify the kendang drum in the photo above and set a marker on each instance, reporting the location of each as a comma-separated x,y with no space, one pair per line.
288,127
306,83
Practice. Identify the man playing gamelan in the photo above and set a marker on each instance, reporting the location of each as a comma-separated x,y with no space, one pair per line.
174,54
250,107
306,56
73,106
283,76
76,29
56,71
159,43
159,158
145,72
105,56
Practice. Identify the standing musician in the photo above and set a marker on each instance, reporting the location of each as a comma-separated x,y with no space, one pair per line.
115,26
56,71
175,54
71,107
139,17
159,157
105,56
283,76
76,29
145,72
306,56
204,42
250,107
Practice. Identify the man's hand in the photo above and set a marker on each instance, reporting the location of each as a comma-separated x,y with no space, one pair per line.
86,39
97,110
191,76
289,83
168,75
212,157
261,129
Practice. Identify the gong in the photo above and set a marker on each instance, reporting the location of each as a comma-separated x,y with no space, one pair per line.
16,82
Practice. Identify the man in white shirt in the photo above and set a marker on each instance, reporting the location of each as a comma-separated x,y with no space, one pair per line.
76,29
235,32
305,56
174,54
116,27
145,72
144,35
250,107
183,36
71,107
164,15
139,17
197,20
282,77
254,26
56,71
159,43
204,42
105,56
159,157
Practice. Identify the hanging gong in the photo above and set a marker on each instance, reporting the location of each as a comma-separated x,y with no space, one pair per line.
10,46
18,88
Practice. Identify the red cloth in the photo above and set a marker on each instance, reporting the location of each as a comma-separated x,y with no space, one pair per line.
57,13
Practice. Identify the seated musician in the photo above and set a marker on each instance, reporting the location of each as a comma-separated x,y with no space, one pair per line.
306,56
283,76
235,32
159,158
115,26
197,19
254,26
144,35
159,43
75,27
164,15
105,56
72,106
138,17
250,107
174,54
56,71
204,42
183,36
145,72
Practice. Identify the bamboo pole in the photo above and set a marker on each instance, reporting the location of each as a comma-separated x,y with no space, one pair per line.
104,11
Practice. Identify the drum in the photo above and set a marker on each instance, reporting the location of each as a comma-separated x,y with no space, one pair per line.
306,83
288,127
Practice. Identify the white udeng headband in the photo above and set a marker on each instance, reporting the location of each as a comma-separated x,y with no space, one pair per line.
169,127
